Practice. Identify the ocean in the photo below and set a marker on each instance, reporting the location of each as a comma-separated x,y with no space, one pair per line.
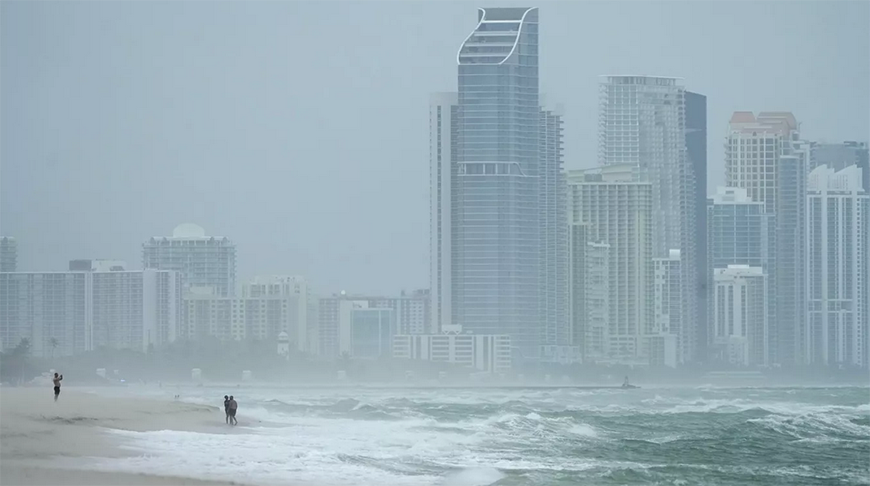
476,437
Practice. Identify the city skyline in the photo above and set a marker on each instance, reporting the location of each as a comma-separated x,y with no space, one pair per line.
271,222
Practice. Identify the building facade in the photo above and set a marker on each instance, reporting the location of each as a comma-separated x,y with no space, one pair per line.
262,313
499,235
617,209
765,156
838,156
589,294
8,254
204,261
366,332
838,214
65,313
696,151
443,125
667,315
740,232
740,327
412,315
642,122
488,353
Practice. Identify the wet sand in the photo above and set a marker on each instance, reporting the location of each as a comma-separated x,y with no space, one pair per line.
40,438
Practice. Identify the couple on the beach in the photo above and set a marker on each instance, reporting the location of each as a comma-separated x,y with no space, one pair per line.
230,407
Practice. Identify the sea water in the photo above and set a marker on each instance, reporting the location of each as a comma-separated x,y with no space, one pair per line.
668,436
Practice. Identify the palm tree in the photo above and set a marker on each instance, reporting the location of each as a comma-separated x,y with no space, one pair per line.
53,342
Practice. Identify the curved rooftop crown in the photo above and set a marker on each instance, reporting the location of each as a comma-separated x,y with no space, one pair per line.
496,36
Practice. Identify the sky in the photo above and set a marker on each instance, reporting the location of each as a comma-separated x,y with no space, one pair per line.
300,129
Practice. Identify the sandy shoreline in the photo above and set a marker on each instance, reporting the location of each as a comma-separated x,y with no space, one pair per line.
37,435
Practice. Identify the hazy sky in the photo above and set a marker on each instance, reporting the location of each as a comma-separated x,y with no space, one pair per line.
300,129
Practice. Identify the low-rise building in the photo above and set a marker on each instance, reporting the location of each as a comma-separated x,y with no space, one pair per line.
484,352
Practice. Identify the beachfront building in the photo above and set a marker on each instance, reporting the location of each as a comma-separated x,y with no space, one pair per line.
498,229
838,295
740,327
483,352
364,331
617,209
412,314
589,293
667,295
261,317
740,232
642,123
204,261
8,254
765,156
65,313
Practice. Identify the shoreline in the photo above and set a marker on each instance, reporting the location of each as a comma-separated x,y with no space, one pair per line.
42,438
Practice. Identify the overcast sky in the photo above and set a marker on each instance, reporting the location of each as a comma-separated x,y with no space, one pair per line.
300,129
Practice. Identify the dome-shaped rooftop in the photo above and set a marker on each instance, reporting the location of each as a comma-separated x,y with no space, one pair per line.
188,230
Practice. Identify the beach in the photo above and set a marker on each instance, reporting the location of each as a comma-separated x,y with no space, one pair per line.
42,442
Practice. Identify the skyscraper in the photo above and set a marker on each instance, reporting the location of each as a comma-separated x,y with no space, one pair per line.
8,254
642,121
499,232
764,155
753,148
203,261
838,212
442,174
740,232
696,151
617,210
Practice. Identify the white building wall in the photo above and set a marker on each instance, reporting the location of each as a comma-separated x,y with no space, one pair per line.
441,166
740,315
838,214
484,352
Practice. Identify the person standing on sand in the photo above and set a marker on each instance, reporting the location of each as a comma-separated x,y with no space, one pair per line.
233,406
57,379
227,408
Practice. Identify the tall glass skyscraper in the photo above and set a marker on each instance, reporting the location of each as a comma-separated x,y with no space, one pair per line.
499,227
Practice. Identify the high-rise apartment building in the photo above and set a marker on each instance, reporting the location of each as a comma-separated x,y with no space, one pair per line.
753,148
696,151
589,293
764,155
740,327
204,261
740,232
667,297
442,166
65,313
499,235
838,215
788,335
642,122
411,315
617,209
8,254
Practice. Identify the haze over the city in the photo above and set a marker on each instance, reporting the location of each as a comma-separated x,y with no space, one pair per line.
300,129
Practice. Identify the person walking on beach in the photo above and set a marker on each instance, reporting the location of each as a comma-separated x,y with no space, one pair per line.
227,407
57,379
233,406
